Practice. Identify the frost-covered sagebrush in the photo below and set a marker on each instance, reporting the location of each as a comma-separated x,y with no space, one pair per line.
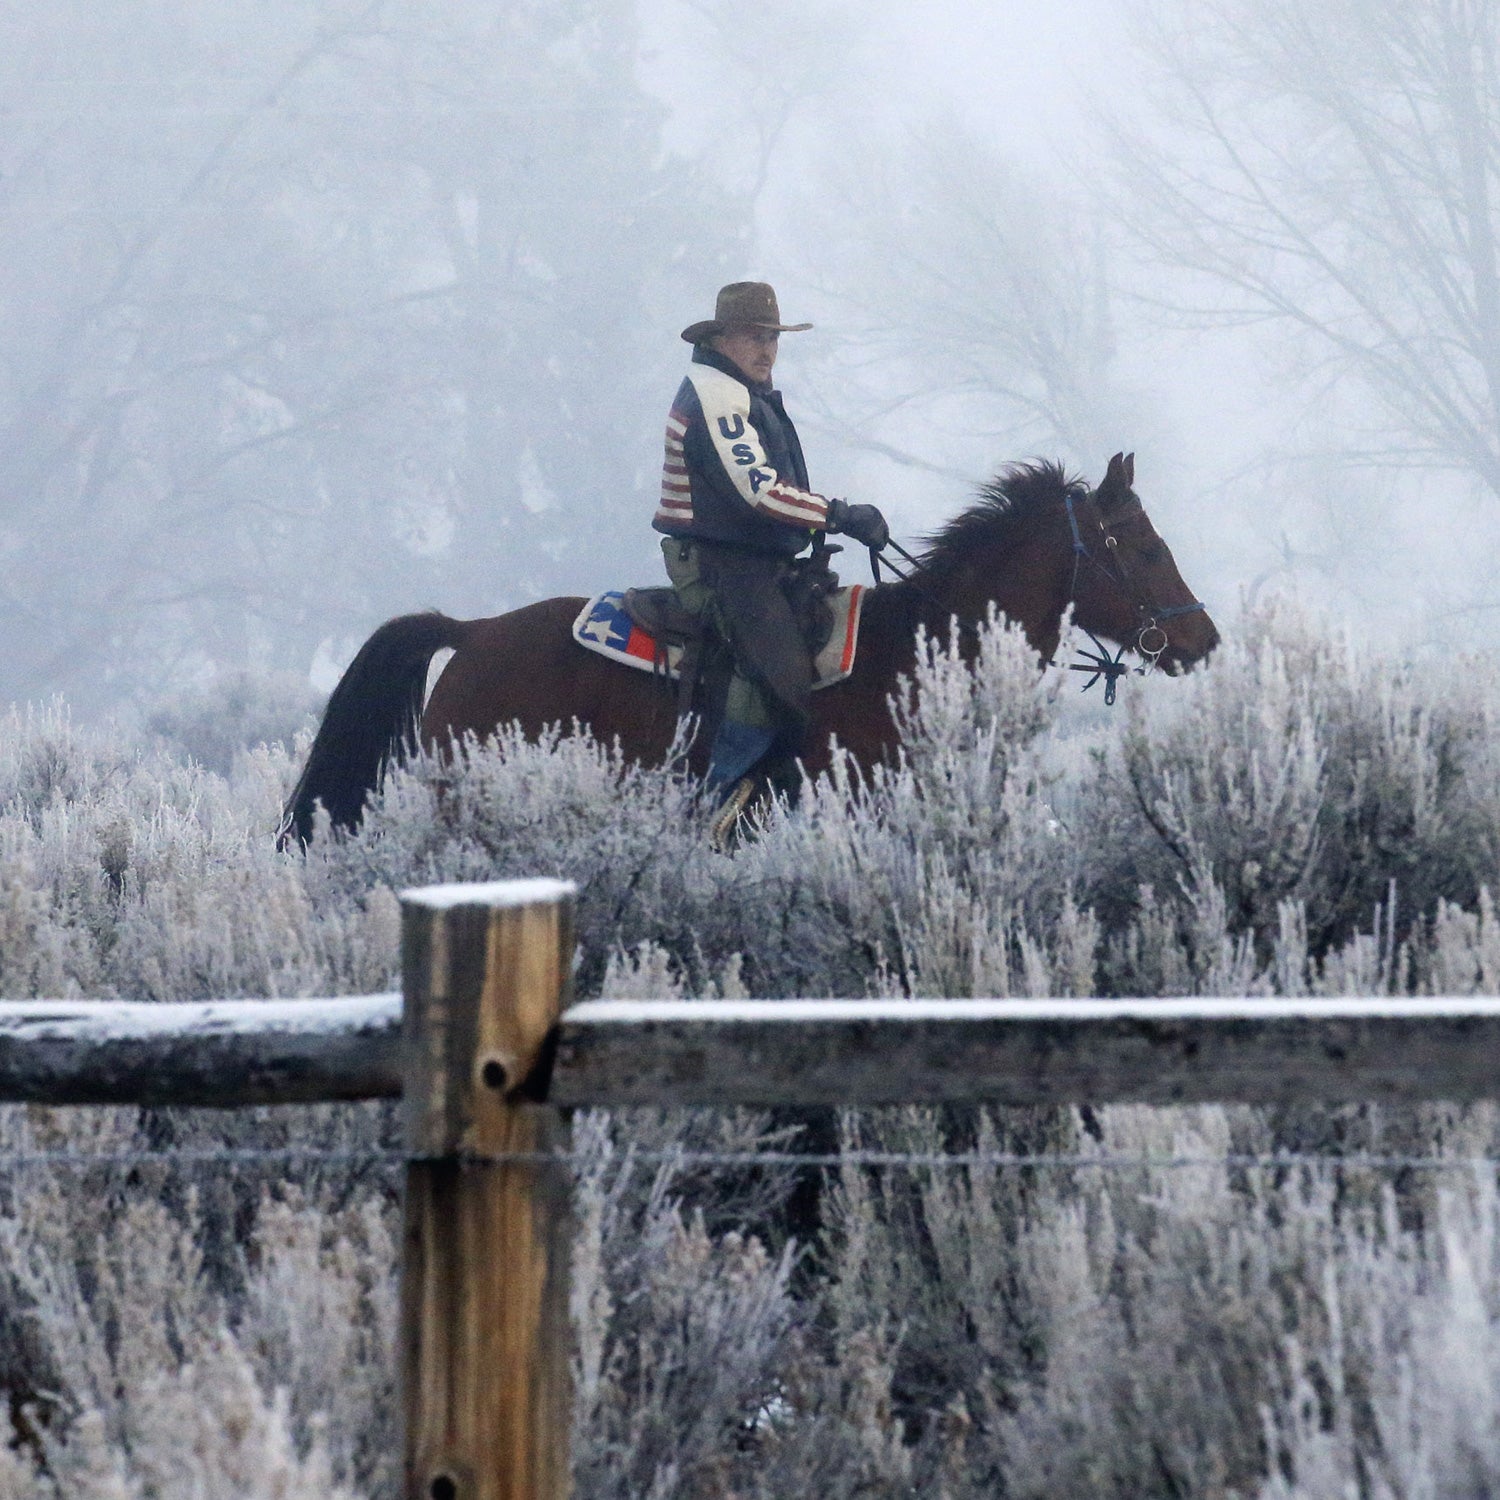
1141,1309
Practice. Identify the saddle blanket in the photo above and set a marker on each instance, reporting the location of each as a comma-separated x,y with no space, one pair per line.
603,626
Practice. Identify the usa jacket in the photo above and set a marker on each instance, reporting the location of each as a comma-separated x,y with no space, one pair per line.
734,470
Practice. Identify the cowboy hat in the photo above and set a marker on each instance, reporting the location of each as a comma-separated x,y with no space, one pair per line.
742,304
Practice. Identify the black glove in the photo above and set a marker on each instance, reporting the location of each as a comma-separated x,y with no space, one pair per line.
862,522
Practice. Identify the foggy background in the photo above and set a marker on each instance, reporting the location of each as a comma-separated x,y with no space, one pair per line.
314,314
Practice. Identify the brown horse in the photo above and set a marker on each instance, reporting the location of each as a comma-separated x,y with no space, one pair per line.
1034,542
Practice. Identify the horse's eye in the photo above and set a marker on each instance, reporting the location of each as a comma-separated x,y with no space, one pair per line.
1153,553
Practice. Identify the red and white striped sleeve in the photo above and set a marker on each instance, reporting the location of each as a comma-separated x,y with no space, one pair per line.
676,505
726,410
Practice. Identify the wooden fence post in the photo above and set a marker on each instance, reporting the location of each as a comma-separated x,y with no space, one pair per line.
485,1333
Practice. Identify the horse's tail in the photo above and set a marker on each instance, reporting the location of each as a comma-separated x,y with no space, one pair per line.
371,721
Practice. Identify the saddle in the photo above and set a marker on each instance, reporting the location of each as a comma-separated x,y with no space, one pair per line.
703,658
659,612
809,584
648,629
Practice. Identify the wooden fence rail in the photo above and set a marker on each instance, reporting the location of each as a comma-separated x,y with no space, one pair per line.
489,1060
231,1053
1019,1052
219,1053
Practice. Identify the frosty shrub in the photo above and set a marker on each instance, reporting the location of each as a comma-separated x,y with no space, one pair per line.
127,873
136,1371
1297,772
628,836
928,872
239,711
1136,1309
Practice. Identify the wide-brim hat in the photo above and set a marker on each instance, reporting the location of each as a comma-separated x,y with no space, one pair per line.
743,304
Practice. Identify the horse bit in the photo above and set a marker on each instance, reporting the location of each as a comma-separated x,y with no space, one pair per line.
1098,662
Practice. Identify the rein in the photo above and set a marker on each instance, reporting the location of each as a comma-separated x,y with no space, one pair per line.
908,578
1099,662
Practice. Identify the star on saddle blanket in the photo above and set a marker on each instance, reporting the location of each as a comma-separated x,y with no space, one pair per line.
603,626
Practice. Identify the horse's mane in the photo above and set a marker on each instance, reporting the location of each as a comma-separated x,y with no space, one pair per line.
1008,507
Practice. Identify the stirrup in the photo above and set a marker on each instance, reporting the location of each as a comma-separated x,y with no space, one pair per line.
723,832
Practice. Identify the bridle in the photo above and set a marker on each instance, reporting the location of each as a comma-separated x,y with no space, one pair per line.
1150,640
1148,613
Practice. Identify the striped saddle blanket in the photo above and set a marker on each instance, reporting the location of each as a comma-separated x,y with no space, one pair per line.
603,626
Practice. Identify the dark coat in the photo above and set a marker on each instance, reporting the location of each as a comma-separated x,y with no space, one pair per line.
734,470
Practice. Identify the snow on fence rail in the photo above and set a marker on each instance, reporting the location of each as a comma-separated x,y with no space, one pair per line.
224,1053
488,1060
1024,1052
232,1053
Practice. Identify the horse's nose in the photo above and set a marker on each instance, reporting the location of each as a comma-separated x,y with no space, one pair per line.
1196,641
1191,638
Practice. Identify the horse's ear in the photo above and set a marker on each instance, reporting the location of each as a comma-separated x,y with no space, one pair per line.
1130,471
1114,481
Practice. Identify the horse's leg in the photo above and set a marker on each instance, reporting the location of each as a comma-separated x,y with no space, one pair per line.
525,667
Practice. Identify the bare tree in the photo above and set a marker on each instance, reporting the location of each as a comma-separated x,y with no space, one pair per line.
758,107
1334,168
974,295
316,314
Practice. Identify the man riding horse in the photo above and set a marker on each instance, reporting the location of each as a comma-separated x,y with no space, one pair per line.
735,511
